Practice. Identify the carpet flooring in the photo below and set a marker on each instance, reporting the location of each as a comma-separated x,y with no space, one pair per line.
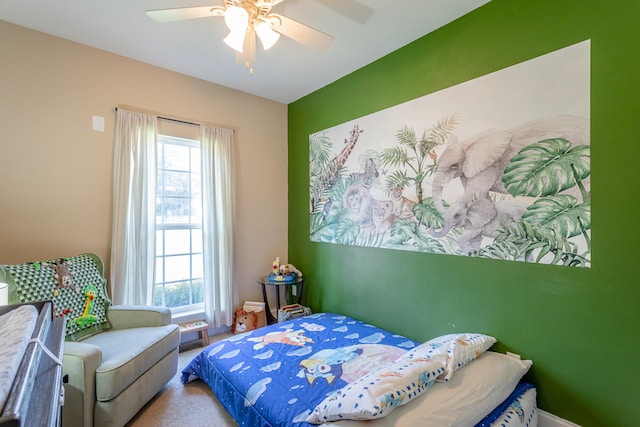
184,404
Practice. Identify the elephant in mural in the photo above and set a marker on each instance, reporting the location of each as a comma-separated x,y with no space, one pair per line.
479,161
478,219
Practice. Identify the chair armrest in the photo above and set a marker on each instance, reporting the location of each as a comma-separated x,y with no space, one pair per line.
80,362
135,316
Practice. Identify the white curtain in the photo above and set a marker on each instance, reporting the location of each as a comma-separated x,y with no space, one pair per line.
218,224
134,190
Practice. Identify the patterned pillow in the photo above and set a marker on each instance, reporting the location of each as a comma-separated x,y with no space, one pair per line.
462,349
75,285
379,392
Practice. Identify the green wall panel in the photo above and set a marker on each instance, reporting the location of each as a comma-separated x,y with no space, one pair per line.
580,326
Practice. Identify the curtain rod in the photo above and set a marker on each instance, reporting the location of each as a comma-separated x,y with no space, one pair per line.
172,120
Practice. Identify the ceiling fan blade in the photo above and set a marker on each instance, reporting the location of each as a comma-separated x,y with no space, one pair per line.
183,13
352,9
301,33
271,2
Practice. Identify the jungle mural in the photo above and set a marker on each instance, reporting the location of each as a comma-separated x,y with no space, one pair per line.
496,167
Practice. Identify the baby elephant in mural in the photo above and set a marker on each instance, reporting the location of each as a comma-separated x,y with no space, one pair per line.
478,219
480,160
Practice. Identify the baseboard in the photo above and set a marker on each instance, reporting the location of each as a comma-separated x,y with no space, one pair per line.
545,419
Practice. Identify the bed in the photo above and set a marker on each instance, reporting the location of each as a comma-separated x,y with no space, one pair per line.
332,370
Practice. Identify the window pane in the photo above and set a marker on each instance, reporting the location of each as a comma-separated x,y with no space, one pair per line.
177,242
197,267
198,292
175,210
177,268
196,242
195,160
196,199
159,269
177,294
157,295
176,157
159,241
176,184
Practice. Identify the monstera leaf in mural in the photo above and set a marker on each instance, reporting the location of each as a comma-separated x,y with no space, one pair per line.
546,169
562,212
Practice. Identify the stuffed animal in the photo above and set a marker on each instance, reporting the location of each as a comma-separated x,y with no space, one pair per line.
287,269
63,275
244,321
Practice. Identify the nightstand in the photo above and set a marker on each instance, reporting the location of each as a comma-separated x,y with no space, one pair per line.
293,288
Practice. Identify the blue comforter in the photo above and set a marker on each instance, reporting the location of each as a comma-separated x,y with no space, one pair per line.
276,375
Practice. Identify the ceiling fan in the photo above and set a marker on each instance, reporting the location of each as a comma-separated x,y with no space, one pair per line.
246,19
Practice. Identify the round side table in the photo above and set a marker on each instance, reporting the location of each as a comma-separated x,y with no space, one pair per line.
265,281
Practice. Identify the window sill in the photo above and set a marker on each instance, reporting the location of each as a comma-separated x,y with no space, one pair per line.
187,316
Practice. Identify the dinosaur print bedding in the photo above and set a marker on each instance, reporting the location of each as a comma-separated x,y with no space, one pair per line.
288,374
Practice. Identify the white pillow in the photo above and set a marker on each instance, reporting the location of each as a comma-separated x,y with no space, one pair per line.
463,401
395,384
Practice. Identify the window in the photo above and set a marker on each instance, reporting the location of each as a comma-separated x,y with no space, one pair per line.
178,255
168,192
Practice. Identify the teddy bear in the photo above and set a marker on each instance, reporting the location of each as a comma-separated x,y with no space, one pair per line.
287,269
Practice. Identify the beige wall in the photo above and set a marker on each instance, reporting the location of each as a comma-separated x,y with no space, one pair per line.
55,172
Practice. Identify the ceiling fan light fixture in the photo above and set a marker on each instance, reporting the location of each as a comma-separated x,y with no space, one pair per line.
236,18
235,40
267,36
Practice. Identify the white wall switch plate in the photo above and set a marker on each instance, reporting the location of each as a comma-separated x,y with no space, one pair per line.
97,123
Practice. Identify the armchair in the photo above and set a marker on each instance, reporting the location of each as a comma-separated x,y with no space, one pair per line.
116,357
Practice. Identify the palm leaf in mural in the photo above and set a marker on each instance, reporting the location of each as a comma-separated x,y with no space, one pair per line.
413,158
347,233
319,156
547,168
319,153
397,178
324,222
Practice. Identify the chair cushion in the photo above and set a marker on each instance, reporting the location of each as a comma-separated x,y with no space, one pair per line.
129,353
75,285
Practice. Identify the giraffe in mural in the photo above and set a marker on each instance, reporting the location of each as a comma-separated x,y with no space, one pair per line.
331,171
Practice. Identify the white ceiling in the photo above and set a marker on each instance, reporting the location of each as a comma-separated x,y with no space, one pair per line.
363,31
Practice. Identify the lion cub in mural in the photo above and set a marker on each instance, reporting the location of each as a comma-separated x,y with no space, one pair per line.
382,215
402,206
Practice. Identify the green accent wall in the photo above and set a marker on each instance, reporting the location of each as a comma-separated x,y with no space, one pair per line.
580,326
